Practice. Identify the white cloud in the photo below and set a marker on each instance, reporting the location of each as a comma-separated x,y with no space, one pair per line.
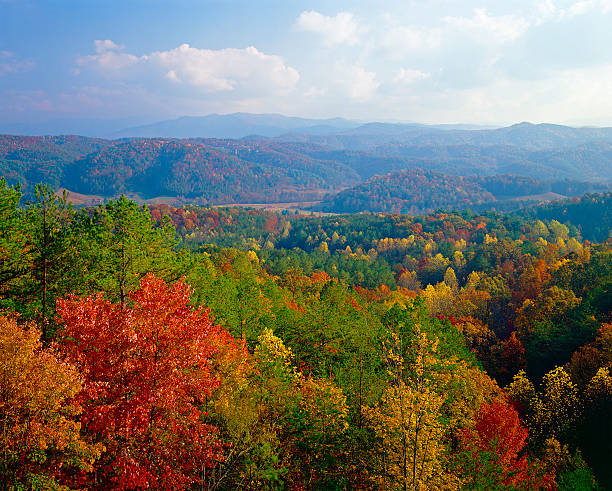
412,38
483,27
409,76
588,6
576,96
549,11
435,61
108,57
355,82
223,70
343,28
102,45
546,8
9,63
315,92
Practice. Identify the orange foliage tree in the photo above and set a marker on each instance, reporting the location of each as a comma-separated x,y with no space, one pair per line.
40,442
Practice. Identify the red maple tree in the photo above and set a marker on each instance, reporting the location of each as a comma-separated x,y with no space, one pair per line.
493,457
147,370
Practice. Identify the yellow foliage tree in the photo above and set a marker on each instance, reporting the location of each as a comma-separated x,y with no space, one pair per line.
39,428
408,420
553,411
439,299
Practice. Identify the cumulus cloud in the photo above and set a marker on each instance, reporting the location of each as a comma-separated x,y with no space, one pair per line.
207,70
409,76
102,45
9,63
412,38
570,96
356,82
225,69
587,6
316,92
343,28
548,10
108,58
483,27
507,62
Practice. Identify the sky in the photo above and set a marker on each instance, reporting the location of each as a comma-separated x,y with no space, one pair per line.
428,61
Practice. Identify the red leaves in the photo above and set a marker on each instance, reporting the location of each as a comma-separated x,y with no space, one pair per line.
499,429
147,371
493,450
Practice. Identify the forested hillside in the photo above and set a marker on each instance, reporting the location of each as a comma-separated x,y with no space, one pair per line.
419,191
205,171
522,135
185,348
29,160
592,213
261,170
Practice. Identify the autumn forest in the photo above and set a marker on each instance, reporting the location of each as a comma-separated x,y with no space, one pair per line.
227,348
305,245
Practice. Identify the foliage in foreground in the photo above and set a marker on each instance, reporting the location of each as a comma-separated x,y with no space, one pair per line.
263,375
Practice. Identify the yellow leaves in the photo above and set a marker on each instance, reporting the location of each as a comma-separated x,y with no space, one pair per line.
539,229
252,257
466,390
476,333
38,415
323,247
550,303
272,348
600,386
558,405
408,279
450,278
542,242
521,391
490,239
551,412
460,245
409,418
391,244
325,403
439,298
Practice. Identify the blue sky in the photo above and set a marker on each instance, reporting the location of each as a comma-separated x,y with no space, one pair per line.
432,61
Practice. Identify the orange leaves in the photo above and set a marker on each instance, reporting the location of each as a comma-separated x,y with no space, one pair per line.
294,306
320,277
147,369
40,433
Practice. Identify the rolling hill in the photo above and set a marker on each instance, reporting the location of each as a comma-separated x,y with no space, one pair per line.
417,191
282,169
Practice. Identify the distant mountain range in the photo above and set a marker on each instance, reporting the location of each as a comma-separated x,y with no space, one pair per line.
528,136
297,159
95,128
237,125
338,133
